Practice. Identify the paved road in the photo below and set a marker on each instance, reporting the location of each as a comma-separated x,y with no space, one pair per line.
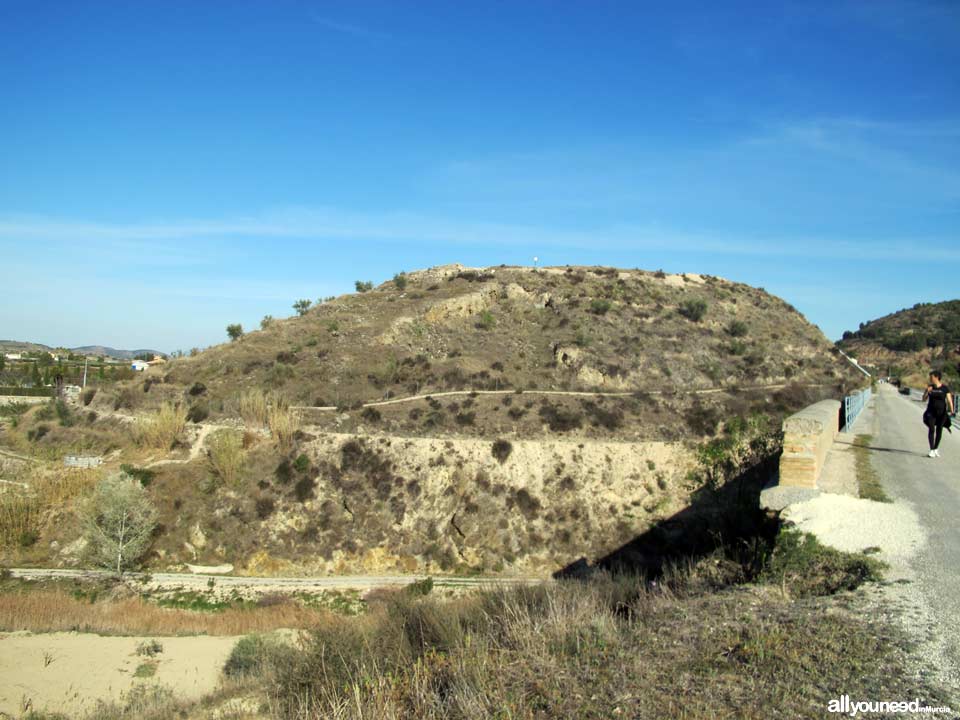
931,486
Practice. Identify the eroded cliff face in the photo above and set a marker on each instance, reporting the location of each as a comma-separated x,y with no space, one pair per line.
374,504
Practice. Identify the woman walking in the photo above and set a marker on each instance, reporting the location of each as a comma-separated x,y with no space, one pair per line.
939,408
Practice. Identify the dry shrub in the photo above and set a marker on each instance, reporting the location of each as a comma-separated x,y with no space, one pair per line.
226,456
56,611
255,407
22,510
162,429
604,647
438,659
19,519
55,487
141,702
284,424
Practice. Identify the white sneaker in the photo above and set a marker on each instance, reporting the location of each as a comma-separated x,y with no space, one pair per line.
936,453
932,453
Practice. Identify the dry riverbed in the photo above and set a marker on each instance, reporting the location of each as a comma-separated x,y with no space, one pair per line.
70,672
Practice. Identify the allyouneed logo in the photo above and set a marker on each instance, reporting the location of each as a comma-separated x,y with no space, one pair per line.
845,705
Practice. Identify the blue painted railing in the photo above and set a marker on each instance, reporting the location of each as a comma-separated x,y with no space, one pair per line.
853,405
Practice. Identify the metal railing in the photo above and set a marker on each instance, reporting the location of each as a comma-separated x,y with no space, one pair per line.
853,405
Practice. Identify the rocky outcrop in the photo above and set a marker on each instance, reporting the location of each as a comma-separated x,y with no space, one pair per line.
383,504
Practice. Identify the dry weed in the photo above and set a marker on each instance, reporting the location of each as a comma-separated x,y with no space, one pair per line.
255,407
55,611
284,424
226,456
162,429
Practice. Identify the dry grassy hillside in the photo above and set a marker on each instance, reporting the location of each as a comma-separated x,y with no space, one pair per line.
560,329
503,419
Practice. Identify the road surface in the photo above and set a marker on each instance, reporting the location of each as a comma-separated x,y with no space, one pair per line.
931,488
203,582
917,534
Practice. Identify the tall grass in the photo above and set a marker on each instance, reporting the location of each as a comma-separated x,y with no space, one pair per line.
270,410
284,424
255,407
227,456
22,509
55,611
610,646
164,428
20,515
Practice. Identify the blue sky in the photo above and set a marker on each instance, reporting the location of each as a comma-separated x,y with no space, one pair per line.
167,168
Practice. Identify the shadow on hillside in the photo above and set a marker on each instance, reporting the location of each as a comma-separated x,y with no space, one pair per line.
729,516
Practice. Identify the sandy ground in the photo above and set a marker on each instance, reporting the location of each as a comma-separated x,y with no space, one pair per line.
69,672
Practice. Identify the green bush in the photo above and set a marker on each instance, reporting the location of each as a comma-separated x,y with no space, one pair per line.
400,280
558,419
800,562
420,588
26,391
251,656
198,412
235,331
363,286
64,414
143,475
302,306
486,321
737,328
599,306
501,450
694,309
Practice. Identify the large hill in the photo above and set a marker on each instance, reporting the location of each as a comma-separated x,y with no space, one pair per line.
911,342
499,419
514,329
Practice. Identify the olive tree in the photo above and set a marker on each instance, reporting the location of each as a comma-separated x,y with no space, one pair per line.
118,521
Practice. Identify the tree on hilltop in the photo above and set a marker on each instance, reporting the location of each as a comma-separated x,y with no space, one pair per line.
301,306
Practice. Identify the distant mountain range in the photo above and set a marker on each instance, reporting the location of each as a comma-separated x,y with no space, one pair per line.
8,346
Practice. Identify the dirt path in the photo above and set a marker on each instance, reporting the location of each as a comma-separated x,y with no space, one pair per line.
566,393
195,449
201,582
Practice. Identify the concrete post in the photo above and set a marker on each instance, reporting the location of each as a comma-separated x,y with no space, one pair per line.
807,437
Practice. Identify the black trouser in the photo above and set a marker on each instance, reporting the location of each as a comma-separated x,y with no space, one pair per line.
934,423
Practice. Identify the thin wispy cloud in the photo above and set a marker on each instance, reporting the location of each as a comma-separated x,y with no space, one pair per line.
353,29
334,226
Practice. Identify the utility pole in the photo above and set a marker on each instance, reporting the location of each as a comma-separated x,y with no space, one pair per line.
85,359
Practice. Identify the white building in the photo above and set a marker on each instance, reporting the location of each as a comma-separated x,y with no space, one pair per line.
139,365
12,356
